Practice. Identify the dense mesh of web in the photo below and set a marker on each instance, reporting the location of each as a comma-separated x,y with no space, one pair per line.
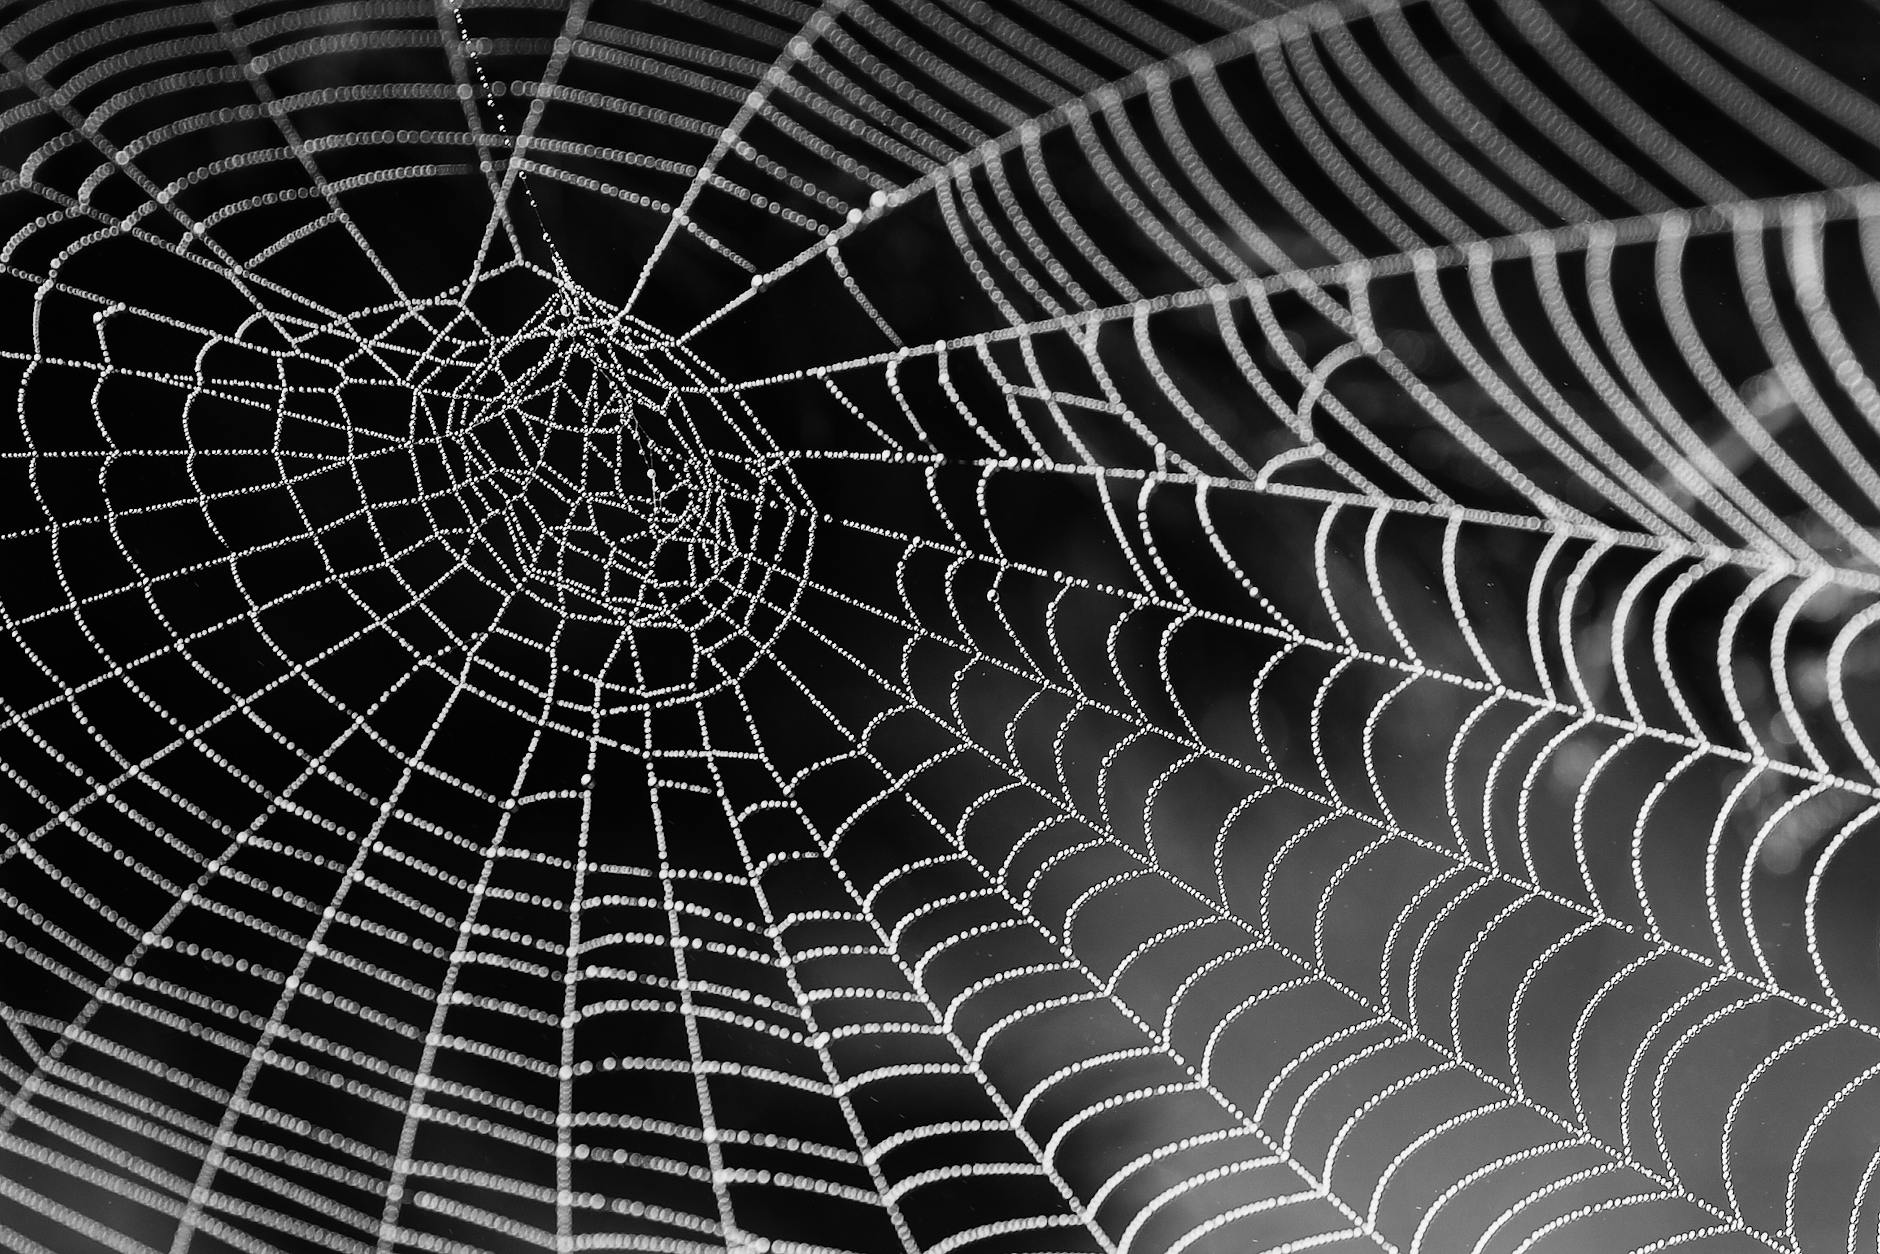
939,626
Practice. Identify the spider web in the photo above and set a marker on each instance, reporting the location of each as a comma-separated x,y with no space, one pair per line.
920,625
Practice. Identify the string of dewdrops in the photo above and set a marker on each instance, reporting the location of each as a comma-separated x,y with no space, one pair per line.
912,627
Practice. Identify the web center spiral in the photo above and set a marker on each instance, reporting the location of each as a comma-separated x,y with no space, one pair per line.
579,463
615,505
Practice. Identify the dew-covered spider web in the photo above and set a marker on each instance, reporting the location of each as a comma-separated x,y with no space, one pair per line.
940,625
